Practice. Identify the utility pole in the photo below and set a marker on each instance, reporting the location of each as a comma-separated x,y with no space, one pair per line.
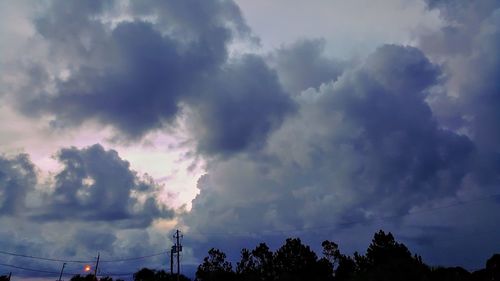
96,265
10,274
62,269
178,250
172,260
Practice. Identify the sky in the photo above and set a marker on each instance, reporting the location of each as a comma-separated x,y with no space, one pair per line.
246,121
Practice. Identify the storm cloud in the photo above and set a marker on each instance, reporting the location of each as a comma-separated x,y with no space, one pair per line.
137,75
98,185
406,129
468,99
304,65
237,112
94,203
17,178
93,185
364,145
289,139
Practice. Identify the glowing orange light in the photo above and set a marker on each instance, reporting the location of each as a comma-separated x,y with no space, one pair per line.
87,268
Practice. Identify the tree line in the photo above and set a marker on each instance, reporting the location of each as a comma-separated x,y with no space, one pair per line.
384,260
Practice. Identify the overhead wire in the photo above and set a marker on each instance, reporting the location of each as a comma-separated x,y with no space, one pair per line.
64,273
458,203
35,270
75,261
136,258
43,258
83,261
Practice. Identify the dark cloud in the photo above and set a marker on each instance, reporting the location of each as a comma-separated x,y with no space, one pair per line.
303,65
95,203
79,240
467,102
361,148
463,11
365,145
241,105
94,185
138,94
97,185
17,178
96,239
136,75
193,18
471,94
307,141
131,77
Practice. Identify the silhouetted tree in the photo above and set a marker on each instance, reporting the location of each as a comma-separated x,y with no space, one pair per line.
493,267
491,272
4,278
161,275
264,262
215,267
246,268
387,260
78,277
336,262
331,252
90,277
296,261
146,274
449,274
346,268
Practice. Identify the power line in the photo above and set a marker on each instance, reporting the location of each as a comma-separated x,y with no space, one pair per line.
45,259
65,273
137,258
34,270
83,261
283,231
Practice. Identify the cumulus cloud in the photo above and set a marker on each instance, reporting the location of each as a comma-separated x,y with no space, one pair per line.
406,130
365,144
136,74
17,178
362,147
243,103
98,185
470,96
292,139
94,185
303,65
94,203
130,76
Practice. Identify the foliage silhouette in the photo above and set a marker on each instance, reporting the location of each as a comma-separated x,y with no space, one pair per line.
296,261
215,267
256,265
450,274
146,274
385,260
388,260
90,277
